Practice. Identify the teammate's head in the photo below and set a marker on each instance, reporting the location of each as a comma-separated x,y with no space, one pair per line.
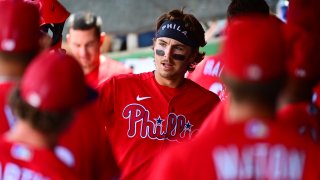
85,39
176,44
303,29
243,7
254,58
302,33
19,32
52,87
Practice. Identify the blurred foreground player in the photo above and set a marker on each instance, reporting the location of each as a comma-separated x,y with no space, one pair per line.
302,29
208,72
43,105
249,143
19,43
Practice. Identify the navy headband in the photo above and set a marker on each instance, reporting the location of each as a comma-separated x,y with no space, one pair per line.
175,29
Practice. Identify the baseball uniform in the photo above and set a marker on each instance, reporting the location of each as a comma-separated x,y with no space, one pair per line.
107,68
85,147
144,117
302,117
6,116
207,74
18,161
251,149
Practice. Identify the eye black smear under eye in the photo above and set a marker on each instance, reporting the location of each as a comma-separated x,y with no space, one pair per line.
160,52
179,57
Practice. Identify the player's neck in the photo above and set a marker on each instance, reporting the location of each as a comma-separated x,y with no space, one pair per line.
241,111
14,70
23,132
172,83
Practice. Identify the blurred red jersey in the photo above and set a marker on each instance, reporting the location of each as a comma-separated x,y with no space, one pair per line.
303,117
207,74
107,68
85,148
251,149
18,161
6,117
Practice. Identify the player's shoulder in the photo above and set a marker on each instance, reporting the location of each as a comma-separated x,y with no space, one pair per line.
126,79
197,89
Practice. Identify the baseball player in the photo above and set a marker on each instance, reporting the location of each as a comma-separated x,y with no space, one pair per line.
149,111
249,143
209,70
43,105
295,107
236,8
19,43
84,39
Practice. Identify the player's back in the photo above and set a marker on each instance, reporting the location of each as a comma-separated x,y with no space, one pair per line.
85,148
19,161
6,116
253,149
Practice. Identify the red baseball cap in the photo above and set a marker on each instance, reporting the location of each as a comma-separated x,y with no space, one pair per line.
303,39
51,11
254,49
19,22
55,82
304,57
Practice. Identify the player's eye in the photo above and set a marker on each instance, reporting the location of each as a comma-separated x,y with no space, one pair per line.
160,52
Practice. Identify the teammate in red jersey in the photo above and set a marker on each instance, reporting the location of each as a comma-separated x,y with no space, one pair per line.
207,74
19,43
235,8
43,105
85,39
302,30
249,143
148,112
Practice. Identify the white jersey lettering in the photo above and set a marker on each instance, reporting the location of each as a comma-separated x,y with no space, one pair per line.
212,68
13,171
258,161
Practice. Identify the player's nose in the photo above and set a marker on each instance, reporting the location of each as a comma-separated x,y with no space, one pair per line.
167,52
83,52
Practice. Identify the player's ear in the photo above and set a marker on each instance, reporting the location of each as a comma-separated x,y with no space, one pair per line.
68,38
102,37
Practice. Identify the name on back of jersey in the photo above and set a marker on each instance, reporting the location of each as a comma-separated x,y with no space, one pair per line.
258,161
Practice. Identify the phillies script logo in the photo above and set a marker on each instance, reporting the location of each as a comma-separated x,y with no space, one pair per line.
175,127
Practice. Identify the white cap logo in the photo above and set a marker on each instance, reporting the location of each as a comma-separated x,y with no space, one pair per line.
34,99
301,73
254,72
8,44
